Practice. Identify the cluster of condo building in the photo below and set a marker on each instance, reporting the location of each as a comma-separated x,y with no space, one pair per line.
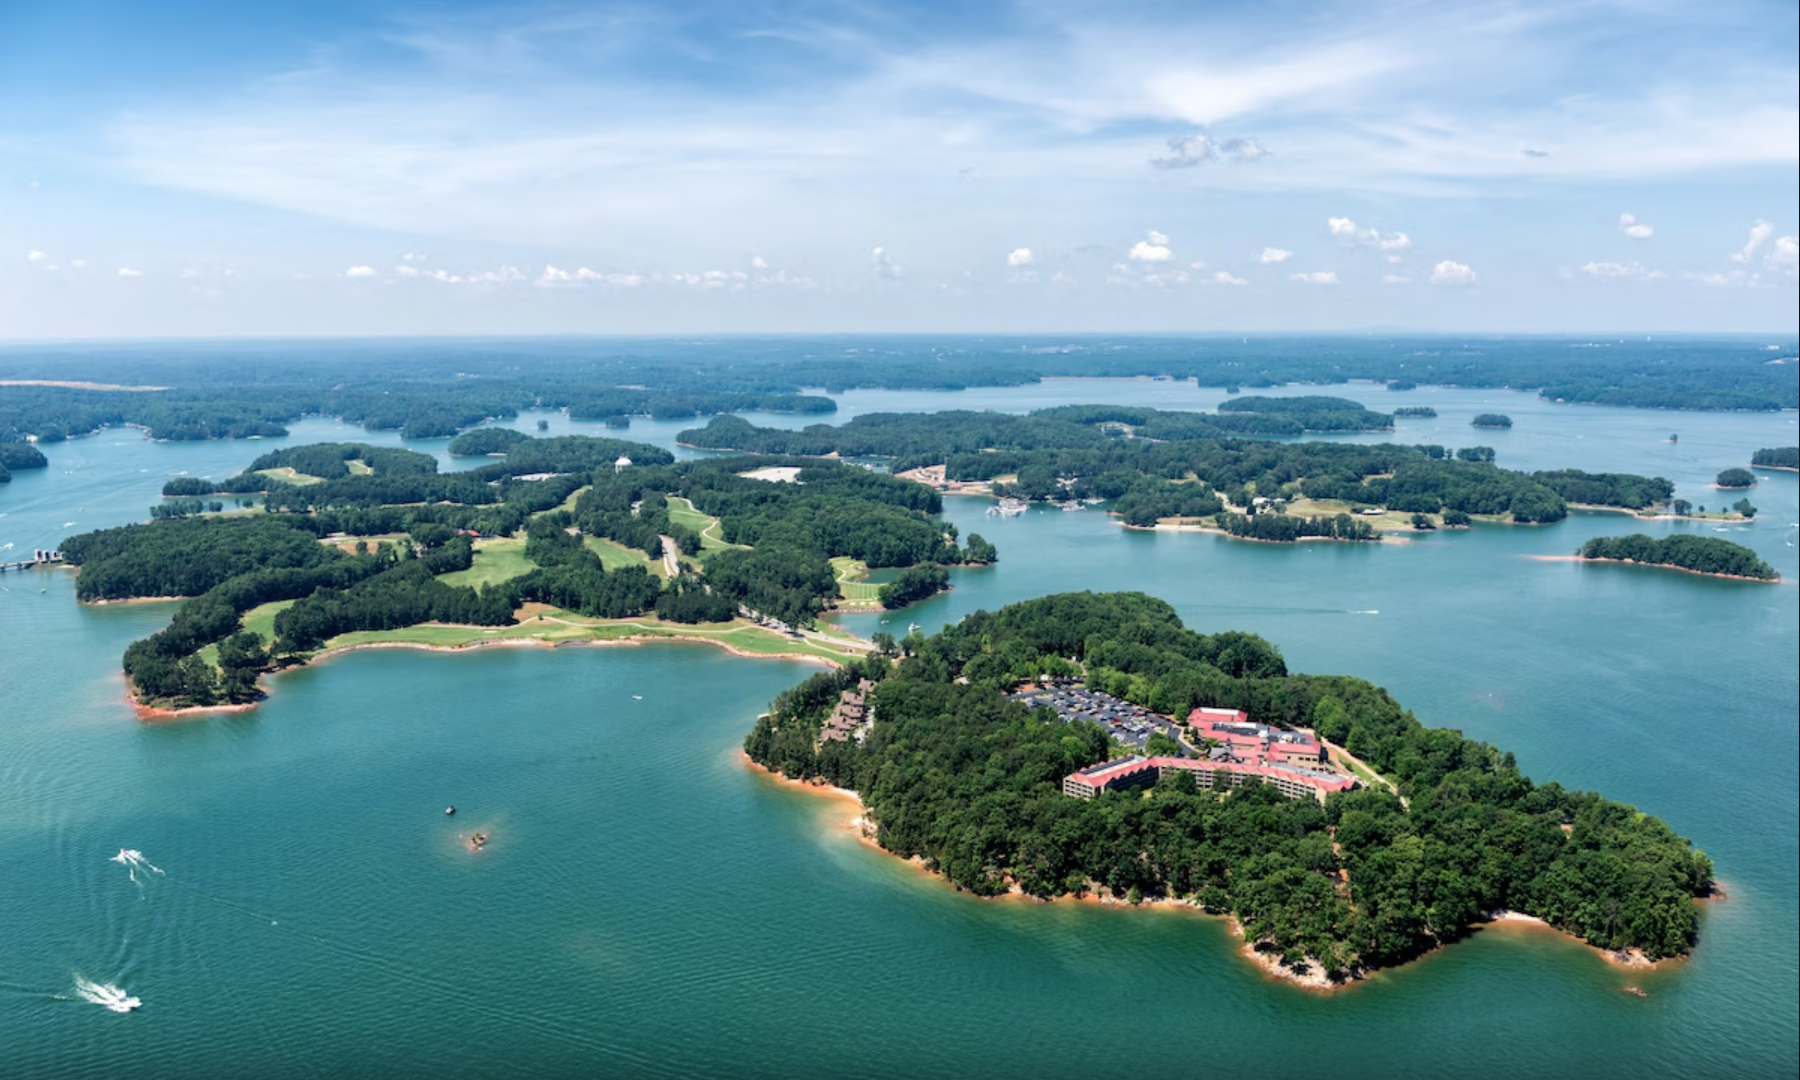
1243,751
850,716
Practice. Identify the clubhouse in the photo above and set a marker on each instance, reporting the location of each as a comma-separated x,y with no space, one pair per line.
1136,771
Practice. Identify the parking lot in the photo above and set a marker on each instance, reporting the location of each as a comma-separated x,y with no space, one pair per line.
1131,724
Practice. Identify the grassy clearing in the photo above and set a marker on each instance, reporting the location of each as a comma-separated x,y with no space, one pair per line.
615,556
287,475
851,587
567,504
1390,521
358,468
261,618
682,512
497,559
553,626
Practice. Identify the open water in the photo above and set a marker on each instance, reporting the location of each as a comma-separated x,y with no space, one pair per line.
650,907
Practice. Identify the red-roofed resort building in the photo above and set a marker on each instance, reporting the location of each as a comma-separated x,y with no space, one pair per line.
1131,772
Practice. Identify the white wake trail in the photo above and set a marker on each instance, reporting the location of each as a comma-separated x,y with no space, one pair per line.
105,994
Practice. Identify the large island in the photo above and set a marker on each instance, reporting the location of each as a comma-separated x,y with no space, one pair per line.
1416,836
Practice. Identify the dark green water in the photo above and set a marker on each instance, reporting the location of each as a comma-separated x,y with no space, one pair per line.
649,906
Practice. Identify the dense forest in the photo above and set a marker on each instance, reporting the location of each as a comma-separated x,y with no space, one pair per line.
1492,420
1415,412
1703,554
958,775
1783,457
779,541
18,455
427,390
1084,451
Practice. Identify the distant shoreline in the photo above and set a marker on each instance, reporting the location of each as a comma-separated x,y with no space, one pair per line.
1314,979
1655,566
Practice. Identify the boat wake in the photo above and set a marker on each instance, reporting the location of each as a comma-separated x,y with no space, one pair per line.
105,994
133,861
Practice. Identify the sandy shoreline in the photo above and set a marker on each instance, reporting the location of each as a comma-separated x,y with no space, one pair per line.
1314,978
152,712
1655,566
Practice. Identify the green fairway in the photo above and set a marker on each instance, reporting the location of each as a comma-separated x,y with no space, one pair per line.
261,618
497,559
682,512
855,591
615,556
553,626
287,475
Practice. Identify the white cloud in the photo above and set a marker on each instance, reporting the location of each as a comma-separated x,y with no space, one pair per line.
126,271
884,267
412,257
35,256
757,262
1020,257
1154,250
1632,271
360,271
1632,227
1187,151
1786,256
406,271
1395,279
1759,232
1345,229
189,274
1449,272
552,276
1224,278
1316,277
1729,279
1271,255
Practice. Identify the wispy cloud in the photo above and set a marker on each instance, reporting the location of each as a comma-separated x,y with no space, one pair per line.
1188,151
1632,227
1450,272
1346,231
1272,255
1759,234
1629,271
1316,277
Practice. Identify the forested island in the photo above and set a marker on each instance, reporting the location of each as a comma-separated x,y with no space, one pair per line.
1735,478
393,544
1697,554
1782,457
954,774
17,455
244,390
1492,420
1155,466
1415,412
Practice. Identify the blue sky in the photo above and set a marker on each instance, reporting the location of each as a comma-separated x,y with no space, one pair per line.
316,168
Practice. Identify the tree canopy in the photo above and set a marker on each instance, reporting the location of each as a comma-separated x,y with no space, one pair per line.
955,773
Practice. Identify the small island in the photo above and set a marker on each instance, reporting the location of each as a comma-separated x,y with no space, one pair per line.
1087,745
1732,479
1415,412
1785,458
1695,554
19,455
1492,420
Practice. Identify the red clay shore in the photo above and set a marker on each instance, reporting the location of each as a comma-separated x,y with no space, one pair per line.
1313,979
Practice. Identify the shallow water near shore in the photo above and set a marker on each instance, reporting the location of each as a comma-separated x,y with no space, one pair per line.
647,905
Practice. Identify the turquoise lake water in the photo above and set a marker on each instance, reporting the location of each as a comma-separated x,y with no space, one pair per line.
650,907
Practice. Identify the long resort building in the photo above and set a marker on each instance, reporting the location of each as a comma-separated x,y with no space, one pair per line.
1136,771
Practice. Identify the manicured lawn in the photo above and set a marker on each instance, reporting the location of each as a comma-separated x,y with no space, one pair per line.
261,618
358,468
616,556
286,474
682,512
851,586
497,559
561,626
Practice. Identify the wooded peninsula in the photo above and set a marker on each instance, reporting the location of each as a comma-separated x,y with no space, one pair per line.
957,775
390,543
1697,554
